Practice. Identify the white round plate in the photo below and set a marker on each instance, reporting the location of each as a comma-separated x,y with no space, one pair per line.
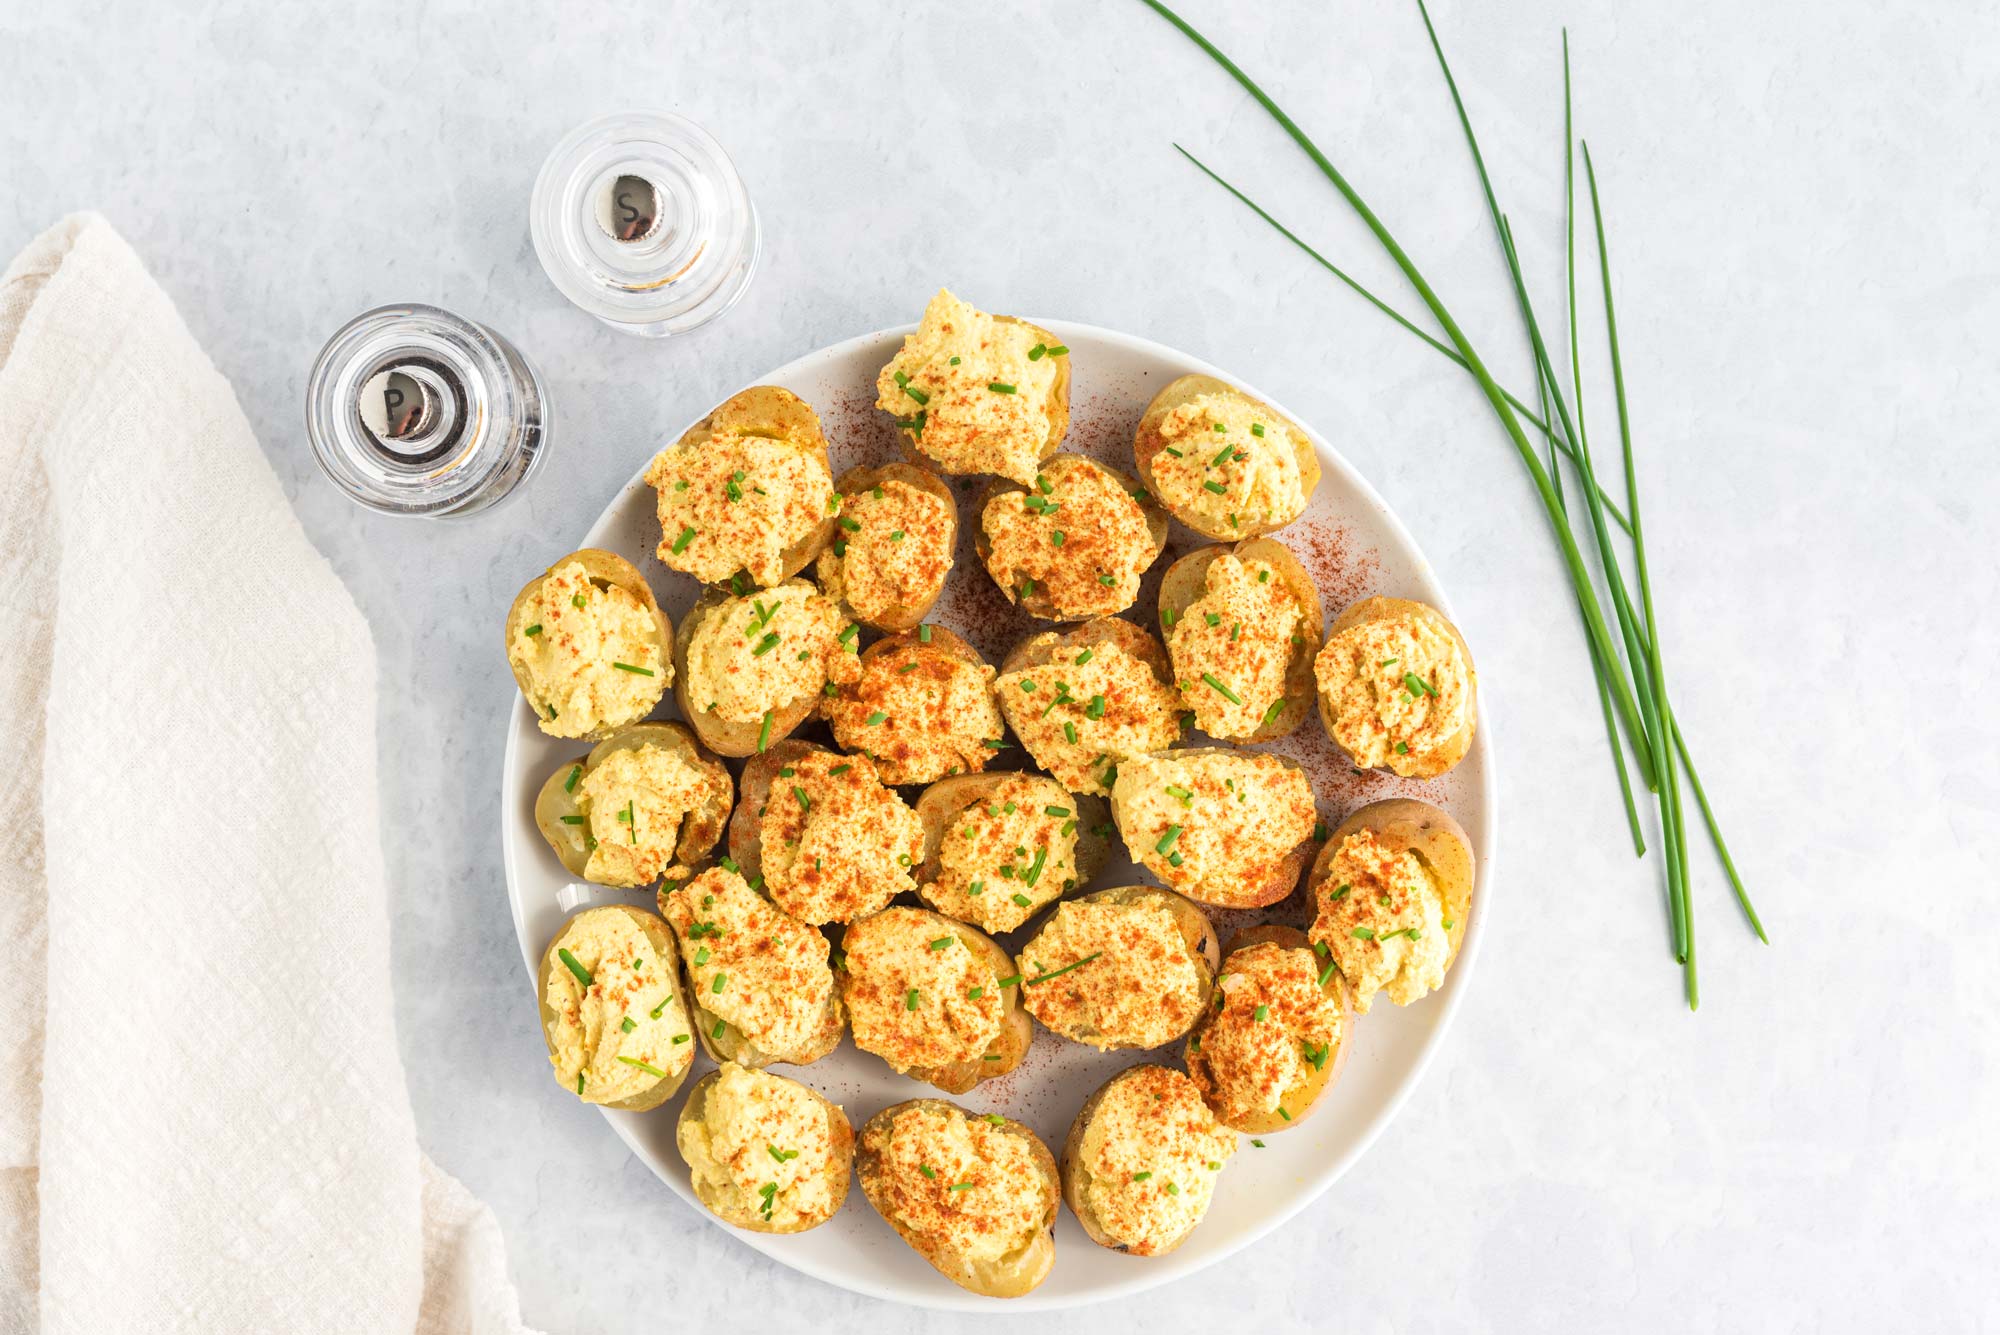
1354,547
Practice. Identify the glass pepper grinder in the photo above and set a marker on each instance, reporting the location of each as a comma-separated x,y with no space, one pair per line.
640,219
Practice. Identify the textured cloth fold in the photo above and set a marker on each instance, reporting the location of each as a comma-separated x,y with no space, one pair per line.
204,1124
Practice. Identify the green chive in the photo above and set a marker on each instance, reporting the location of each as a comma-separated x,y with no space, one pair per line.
1327,973
1036,353
1167,840
995,743
942,942
925,1168
647,1067
838,769
1215,487
924,632
764,733
1107,581
1044,977
1260,1014
876,717
1056,537
1082,658
579,600
1022,900
535,629
569,962
959,1186
999,388
851,525
1215,683
1402,748
919,395
572,820
627,1025
1059,350
910,1001
1364,934
721,981
686,537
1069,731
1174,1188
1271,714
1140,1177
1011,980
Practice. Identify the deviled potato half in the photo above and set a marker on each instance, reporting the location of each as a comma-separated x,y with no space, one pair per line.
1225,464
974,1194
760,985
748,488
612,1012
892,546
1140,1162
935,998
1391,892
1083,700
822,835
922,707
977,393
1126,967
588,645
750,668
1074,542
1228,828
1276,1037
763,1152
648,801
1000,847
1397,689
1242,626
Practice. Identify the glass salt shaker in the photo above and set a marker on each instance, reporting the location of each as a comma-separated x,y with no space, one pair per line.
640,218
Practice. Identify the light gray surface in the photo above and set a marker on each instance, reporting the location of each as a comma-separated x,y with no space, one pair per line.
1803,217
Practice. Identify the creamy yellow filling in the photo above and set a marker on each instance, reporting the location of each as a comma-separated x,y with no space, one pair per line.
953,362
1244,475
1400,690
766,650
595,1054
1382,916
737,502
570,638
1231,647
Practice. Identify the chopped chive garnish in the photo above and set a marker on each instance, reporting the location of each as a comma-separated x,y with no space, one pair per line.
1095,709
569,962
1174,1188
1037,352
1327,972
1069,732
924,632
647,1067
721,981
999,388
959,1186
679,1038
1010,980
926,1169
701,956
1261,1014
1107,581
838,769
781,1155
1216,684
851,525
1416,685
876,717
805,803
1059,350
1022,899
1213,618
572,820
1167,840
1140,1177
764,733
1258,1143
535,629
1056,537
1222,457
1319,830
942,942
569,784
765,645
1044,977
1055,811
919,395
1168,449
1402,748
627,1025
955,361
848,634
995,743
1282,1113
579,600
686,537
1083,658
910,1000
1364,934
1215,487
1271,714
1256,428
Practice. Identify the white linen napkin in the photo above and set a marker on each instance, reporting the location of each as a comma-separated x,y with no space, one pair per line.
203,1119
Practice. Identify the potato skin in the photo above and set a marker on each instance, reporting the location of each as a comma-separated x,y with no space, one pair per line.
769,410
1008,1277
746,841
1193,925
940,804
1186,581
699,829
1299,1100
720,735
1047,646
603,568
1409,825
1037,603
724,1042
941,644
1017,1031
1076,1177
1058,408
661,938
839,1167
905,616
1147,443
1392,609
1283,877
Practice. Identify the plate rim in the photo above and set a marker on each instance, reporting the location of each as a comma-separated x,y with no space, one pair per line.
947,1296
